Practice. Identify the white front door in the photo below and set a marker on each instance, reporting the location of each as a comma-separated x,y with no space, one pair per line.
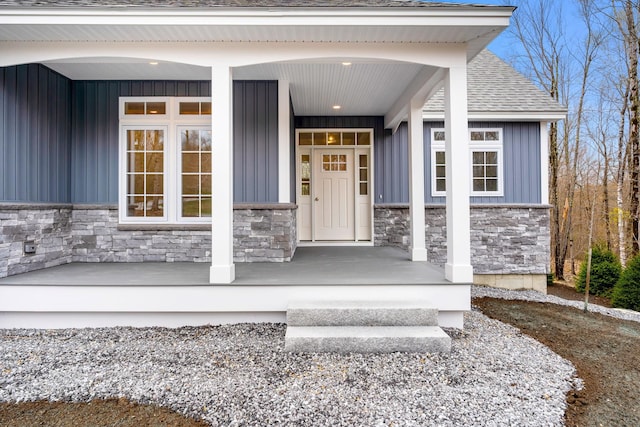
333,194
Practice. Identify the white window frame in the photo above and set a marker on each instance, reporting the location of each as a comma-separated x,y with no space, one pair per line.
474,146
172,121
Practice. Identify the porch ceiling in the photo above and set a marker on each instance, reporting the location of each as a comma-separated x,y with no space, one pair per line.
362,88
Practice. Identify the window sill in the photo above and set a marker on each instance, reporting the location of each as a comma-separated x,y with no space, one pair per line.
164,227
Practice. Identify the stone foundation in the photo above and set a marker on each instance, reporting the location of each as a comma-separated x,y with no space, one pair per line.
505,239
91,233
47,226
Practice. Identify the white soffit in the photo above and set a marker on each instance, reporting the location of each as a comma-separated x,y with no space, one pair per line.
127,69
360,88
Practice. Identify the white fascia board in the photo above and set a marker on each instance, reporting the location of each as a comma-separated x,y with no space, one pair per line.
504,116
498,16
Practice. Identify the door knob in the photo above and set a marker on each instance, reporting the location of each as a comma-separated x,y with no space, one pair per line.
316,199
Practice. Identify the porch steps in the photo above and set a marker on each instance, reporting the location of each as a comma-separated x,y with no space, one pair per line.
364,327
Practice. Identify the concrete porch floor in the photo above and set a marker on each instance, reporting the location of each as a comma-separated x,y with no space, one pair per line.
310,266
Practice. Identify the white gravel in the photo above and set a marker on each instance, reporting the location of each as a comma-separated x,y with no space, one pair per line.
239,375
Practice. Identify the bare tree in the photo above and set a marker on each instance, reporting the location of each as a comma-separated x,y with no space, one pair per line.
538,27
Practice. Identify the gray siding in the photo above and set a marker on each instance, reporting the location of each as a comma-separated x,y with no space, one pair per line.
255,141
392,167
521,160
94,160
34,134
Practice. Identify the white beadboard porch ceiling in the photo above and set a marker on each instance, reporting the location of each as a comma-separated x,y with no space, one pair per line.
362,88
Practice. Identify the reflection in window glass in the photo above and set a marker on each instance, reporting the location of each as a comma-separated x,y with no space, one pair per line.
134,107
349,138
196,172
364,138
485,171
319,138
305,173
305,139
145,173
190,108
363,165
156,108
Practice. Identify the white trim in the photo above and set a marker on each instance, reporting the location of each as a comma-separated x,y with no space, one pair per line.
385,17
83,306
177,182
356,149
544,163
503,116
497,146
323,243
284,143
123,172
171,122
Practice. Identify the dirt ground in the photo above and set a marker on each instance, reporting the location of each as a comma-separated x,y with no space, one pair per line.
605,351
105,413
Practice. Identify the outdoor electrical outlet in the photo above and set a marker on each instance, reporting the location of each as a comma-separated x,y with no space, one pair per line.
29,247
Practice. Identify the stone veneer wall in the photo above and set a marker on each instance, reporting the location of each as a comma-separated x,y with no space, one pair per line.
90,233
505,239
47,225
264,232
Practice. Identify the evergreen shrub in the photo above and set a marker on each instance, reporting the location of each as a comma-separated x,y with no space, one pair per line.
626,293
605,271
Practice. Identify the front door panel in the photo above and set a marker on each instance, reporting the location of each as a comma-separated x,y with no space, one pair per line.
333,198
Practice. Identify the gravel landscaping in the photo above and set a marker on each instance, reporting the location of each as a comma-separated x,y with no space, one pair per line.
239,375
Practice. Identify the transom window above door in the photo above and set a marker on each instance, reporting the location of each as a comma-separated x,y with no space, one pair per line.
165,160
334,138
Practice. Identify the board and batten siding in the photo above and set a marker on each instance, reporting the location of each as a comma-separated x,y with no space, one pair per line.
521,158
521,162
255,141
96,134
95,118
35,135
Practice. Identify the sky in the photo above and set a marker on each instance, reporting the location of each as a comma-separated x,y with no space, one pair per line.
504,45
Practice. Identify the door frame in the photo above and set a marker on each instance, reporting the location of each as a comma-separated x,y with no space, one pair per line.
305,207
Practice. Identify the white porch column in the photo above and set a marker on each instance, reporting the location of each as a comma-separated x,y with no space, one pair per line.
458,267
284,143
222,267
418,249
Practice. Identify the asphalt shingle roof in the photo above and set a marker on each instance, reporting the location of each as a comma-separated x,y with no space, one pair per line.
495,86
230,3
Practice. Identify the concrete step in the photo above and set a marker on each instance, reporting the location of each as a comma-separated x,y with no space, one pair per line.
366,339
361,313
